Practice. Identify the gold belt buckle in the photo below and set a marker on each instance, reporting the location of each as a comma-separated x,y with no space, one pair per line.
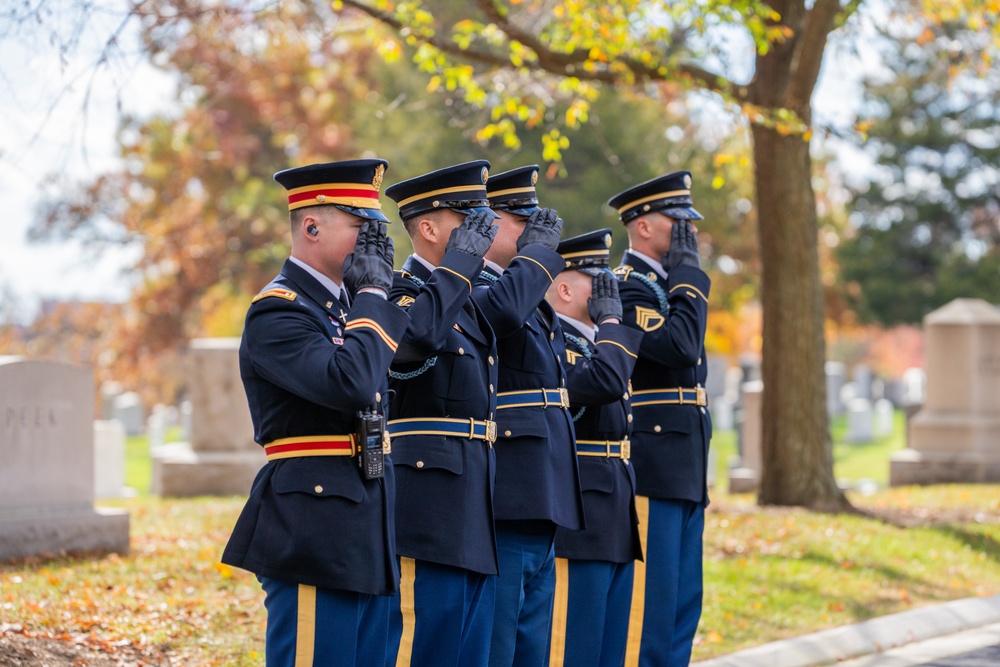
626,450
491,431
563,397
702,395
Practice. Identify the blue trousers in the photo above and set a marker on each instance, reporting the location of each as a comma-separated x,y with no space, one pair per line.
441,617
667,593
320,627
590,621
522,618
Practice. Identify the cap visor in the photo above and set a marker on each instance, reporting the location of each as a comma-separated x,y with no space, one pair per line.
366,213
685,213
476,209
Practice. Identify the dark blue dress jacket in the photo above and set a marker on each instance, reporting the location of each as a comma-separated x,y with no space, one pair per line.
599,397
537,473
444,498
307,367
669,442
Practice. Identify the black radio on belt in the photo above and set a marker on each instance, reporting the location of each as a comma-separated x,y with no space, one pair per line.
371,458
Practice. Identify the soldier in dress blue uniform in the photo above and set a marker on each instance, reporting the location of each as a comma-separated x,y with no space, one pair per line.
594,566
317,528
441,422
538,480
664,293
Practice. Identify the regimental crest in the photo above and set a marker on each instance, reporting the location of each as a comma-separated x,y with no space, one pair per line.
405,301
377,180
486,175
648,319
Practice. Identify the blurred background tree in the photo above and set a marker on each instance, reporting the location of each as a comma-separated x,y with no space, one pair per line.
926,223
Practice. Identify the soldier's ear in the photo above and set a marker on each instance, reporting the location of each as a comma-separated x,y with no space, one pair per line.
565,291
643,228
427,229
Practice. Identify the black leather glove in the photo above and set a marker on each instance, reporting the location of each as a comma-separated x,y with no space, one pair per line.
474,235
544,226
605,302
370,265
683,247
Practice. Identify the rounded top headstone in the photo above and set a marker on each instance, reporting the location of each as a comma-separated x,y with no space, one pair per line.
964,311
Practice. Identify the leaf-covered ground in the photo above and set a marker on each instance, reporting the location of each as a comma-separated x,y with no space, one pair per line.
769,573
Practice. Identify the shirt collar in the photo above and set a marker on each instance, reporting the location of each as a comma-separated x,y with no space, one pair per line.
589,331
496,268
655,263
325,281
430,267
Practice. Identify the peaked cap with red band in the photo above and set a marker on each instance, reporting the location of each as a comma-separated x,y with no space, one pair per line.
350,185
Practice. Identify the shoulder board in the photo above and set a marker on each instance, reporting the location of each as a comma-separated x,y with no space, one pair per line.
283,293
623,271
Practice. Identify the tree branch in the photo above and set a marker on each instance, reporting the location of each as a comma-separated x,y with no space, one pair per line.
809,48
560,64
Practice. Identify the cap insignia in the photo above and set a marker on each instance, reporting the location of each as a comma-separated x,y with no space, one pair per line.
687,180
486,175
607,240
321,198
534,177
377,180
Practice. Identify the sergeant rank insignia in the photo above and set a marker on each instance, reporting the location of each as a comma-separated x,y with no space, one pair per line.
648,319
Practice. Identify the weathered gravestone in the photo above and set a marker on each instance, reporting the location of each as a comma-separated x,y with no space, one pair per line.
221,457
835,374
47,474
956,435
746,477
109,458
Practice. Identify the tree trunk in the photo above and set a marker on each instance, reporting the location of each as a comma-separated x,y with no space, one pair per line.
796,447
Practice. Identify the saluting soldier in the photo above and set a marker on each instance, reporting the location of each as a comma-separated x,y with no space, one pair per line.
441,421
664,294
538,482
594,566
317,528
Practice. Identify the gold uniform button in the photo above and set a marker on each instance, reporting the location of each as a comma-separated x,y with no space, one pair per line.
703,411
461,350
625,461
699,362
490,359
318,489
491,388
625,396
630,419
552,336
507,433
657,428
420,464
378,397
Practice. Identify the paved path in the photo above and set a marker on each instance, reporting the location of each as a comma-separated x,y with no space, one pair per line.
978,647
964,633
